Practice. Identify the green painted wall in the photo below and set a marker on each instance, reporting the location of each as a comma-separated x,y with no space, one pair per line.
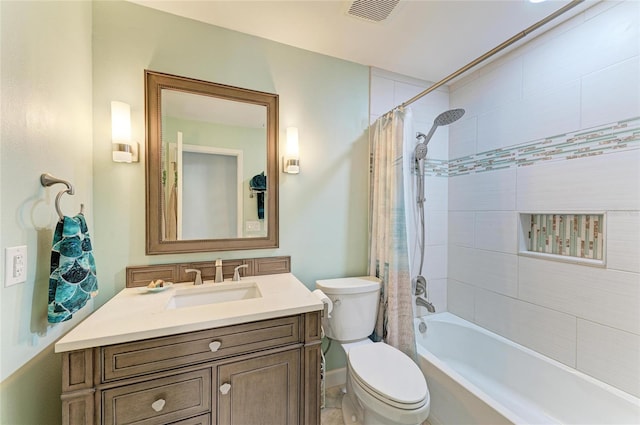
323,210
45,127
62,65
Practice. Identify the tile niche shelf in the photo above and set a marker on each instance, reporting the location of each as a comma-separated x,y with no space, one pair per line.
571,237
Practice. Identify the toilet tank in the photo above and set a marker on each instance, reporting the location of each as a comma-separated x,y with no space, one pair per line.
355,307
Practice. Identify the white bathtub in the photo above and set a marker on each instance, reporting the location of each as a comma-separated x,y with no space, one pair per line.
478,377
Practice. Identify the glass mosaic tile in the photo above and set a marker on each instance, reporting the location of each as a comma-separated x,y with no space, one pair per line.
574,235
609,138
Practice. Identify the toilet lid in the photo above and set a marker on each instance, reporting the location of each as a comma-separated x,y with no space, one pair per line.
349,285
388,373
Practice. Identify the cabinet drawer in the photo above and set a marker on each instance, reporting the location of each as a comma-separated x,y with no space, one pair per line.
158,401
199,420
141,357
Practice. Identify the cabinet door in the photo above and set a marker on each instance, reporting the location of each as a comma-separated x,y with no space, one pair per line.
260,391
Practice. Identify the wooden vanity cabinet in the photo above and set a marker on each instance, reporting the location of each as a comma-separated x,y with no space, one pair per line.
265,372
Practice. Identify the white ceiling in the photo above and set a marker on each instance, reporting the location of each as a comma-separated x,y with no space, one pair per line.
425,39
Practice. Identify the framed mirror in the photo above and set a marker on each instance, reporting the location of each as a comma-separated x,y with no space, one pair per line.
211,166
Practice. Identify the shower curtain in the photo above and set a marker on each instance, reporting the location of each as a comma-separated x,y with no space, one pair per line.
388,248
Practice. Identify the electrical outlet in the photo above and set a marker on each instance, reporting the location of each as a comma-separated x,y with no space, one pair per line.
15,265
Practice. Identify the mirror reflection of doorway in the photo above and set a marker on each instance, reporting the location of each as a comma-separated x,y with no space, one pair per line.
210,202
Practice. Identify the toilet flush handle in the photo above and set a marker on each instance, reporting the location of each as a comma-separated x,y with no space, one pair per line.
337,302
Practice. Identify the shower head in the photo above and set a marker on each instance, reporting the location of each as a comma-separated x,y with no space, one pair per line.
421,148
448,117
445,118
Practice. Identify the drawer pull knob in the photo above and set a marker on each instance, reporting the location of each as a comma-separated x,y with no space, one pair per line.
224,388
214,346
158,405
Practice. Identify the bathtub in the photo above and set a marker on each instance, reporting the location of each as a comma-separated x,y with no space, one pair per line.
478,377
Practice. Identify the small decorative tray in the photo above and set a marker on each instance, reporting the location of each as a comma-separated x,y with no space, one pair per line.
145,289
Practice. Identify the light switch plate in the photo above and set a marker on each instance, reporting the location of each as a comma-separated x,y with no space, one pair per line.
15,265
252,226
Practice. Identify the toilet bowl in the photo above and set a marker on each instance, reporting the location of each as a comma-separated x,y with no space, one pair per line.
384,386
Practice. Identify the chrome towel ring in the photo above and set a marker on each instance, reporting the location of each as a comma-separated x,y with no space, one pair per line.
48,180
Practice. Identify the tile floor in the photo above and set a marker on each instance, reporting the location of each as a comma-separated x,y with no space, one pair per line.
332,412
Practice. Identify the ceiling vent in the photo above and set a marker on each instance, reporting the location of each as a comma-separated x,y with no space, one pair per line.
372,10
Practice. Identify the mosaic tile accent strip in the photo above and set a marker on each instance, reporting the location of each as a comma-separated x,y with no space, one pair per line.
436,167
619,136
574,235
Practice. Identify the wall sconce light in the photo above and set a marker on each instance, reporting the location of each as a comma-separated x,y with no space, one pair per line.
291,159
123,149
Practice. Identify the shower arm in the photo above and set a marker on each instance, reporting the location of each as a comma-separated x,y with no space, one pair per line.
429,135
493,51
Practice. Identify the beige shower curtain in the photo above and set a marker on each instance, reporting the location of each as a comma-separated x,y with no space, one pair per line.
388,253
171,220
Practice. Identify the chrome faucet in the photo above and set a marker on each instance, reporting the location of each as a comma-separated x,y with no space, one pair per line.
420,285
198,278
219,277
425,303
236,273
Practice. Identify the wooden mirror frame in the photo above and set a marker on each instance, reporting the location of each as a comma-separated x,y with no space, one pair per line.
154,83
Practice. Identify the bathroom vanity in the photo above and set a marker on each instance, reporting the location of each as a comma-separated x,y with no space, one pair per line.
254,360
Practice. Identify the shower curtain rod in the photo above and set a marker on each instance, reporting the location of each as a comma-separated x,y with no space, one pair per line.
493,51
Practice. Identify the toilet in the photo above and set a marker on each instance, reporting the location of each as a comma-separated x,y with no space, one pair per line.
384,386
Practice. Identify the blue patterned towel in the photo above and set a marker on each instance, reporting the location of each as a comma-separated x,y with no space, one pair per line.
259,183
72,281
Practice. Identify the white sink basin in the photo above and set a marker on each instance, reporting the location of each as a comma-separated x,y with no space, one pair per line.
215,294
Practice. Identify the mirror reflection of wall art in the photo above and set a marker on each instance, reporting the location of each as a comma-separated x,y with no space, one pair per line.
206,143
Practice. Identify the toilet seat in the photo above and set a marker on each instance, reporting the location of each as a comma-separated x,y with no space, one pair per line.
388,375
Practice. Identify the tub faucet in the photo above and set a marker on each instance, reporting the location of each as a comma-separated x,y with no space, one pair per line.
219,277
425,303
198,279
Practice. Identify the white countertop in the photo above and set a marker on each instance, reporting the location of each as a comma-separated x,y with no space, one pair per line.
135,314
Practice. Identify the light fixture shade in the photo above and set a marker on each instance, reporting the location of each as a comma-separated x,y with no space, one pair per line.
123,150
120,122
291,158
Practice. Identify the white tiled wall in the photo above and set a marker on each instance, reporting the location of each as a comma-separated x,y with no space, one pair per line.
579,75
613,82
461,299
609,354
607,182
493,271
582,74
491,191
494,231
605,296
547,331
623,240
